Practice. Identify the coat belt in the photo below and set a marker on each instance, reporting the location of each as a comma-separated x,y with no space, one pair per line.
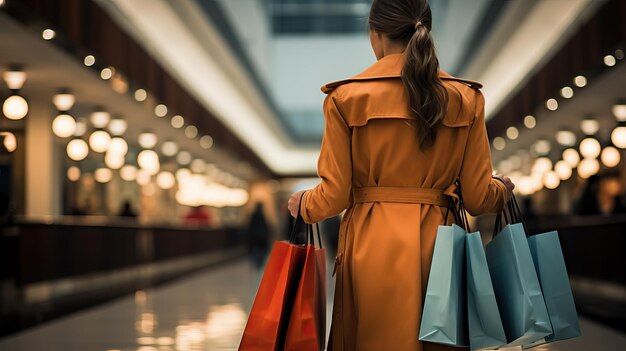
409,195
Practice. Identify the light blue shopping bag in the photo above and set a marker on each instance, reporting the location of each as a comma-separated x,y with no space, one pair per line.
485,326
520,299
550,267
444,316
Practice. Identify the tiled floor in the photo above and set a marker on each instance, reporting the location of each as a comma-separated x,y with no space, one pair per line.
205,311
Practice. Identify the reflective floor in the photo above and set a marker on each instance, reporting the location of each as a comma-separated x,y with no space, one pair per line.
204,311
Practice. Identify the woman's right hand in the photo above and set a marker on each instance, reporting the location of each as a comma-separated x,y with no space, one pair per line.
506,180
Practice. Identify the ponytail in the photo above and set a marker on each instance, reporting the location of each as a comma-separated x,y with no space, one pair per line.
428,99
410,22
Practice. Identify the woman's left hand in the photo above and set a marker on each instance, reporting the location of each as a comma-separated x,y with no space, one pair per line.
294,202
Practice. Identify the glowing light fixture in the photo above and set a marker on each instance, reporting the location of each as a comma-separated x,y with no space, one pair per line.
64,101
73,173
588,167
552,104
160,110
541,165
198,165
499,143
177,121
15,107
609,60
103,175
206,142
610,156
147,140
567,92
563,169
106,73
141,95
618,136
589,126
89,60
77,149
9,141
551,180
571,156
148,160
512,133
113,160
142,177
542,147
191,132
580,81
169,148
100,118
619,111
128,173
590,148
48,34
99,141
530,122
165,180
81,127
14,78
117,126
565,138
118,146
183,158
64,126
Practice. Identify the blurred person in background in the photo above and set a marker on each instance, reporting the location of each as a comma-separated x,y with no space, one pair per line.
588,203
396,138
259,236
127,210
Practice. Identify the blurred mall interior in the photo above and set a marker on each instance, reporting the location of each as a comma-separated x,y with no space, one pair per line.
140,140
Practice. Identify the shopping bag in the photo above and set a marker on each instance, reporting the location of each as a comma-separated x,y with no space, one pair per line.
307,326
267,325
550,267
444,316
518,293
485,326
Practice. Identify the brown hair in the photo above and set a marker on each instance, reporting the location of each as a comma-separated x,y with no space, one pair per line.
410,22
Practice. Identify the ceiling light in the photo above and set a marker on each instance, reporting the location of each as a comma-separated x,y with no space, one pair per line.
618,137
103,175
128,173
81,127
142,177
117,126
165,180
565,138
169,148
9,141
178,121
551,180
619,111
48,34
609,60
183,158
147,140
100,119
610,156
141,95
14,79
590,148
89,60
589,126
530,122
206,142
113,160
77,149
148,160
512,133
73,173
552,104
499,143
191,132
198,165
571,156
542,147
160,110
580,81
106,73
15,107
118,146
541,165
588,167
567,92
563,169
64,126
99,141
63,101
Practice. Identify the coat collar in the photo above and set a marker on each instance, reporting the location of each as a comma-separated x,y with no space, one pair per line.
390,66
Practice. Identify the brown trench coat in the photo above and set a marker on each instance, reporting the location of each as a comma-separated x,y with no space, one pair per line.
371,164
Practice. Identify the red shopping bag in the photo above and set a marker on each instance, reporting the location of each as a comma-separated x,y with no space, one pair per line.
307,325
267,323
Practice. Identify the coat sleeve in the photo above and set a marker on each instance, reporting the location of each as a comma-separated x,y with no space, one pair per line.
334,167
481,192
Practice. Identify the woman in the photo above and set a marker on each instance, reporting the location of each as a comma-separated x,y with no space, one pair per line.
397,136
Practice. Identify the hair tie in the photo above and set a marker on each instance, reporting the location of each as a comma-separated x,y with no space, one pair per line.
418,24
